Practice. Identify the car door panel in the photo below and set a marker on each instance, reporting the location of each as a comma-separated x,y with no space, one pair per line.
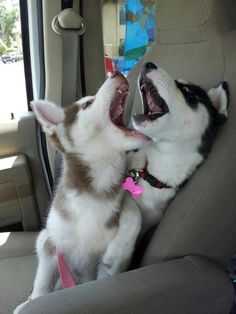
24,196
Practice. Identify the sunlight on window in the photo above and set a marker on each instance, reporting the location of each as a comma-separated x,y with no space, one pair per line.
13,101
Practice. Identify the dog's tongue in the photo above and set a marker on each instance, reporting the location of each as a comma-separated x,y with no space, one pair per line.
153,106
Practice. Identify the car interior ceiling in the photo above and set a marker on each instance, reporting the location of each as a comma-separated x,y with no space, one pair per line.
184,265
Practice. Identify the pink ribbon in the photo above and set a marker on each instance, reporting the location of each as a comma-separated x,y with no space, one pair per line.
67,280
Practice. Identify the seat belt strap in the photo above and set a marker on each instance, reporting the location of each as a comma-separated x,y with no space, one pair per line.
71,82
70,25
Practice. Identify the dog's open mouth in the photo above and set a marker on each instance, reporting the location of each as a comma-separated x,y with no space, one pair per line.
117,109
154,105
118,104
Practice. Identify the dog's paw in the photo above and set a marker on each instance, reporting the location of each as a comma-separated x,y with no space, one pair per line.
113,262
19,307
102,271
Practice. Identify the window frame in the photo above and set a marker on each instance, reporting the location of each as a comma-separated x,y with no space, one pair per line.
26,50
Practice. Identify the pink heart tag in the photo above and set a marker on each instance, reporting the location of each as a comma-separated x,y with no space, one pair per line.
130,186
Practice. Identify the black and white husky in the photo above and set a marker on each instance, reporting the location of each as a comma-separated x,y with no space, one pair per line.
182,120
84,215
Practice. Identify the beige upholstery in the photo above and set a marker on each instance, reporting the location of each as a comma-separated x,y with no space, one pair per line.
184,286
197,42
189,21
16,280
15,244
17,268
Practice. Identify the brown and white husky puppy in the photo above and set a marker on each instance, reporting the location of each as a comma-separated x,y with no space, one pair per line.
182,120
84,215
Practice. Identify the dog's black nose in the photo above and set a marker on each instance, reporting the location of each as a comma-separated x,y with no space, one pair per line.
150,66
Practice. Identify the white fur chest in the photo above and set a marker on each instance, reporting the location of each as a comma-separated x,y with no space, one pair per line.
153,202
80,230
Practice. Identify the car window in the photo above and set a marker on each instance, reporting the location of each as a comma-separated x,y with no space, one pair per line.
13,99
128,32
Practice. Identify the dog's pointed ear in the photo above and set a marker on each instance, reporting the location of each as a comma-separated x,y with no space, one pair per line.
219,97
48,114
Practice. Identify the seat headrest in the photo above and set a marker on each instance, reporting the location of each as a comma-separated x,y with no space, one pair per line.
190,21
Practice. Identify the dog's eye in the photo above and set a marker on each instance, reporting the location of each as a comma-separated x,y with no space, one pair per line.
88,103
189,92
186,89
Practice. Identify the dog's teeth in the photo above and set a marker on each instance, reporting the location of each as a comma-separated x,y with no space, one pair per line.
119,91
